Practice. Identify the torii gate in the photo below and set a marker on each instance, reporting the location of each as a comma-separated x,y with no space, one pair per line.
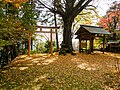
41,31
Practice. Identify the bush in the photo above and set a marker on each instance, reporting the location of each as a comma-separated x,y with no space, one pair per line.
33,51
47,46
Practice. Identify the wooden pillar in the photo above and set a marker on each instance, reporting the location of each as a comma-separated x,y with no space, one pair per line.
86,46
90,44
29,43
103,43
110,46
80,44
51,43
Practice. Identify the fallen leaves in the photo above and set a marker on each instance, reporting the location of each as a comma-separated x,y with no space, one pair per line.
43,72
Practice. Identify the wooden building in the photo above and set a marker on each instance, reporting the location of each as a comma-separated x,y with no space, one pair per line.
86,32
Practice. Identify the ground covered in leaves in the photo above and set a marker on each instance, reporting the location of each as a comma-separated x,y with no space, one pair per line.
80,72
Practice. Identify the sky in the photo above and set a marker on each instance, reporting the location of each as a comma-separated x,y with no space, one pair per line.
104,5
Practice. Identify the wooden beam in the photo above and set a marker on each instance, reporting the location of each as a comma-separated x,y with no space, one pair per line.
47,27
44,32
99,36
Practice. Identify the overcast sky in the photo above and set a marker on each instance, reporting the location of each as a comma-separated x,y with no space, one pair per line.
104,5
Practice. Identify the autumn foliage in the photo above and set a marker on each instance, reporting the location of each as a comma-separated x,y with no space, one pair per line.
17,19
111,20
105,21
16,3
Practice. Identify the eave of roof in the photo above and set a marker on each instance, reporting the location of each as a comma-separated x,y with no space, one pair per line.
95,29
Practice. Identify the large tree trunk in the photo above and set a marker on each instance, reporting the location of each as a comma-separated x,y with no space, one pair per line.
14,51
57,43
67,39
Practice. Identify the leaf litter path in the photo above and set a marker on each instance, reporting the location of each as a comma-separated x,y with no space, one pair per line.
83,61
97,61
45,72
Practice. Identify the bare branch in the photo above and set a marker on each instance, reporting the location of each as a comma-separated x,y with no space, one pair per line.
48,7
79,7
57,10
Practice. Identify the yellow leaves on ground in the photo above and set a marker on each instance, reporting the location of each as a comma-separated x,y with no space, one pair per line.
45,72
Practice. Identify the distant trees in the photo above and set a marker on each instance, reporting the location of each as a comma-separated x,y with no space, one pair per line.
17,20
68,10
111,21
86,17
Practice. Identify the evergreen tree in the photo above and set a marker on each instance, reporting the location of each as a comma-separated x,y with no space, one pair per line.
15,24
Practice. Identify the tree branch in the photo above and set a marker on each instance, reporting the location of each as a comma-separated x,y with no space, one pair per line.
79,4
77,9
59,10
50,8
58,6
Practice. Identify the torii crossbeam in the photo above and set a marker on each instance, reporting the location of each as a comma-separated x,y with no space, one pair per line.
42,31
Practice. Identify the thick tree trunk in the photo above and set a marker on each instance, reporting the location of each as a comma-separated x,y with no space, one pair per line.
13,51
5,56
57,43
67,39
